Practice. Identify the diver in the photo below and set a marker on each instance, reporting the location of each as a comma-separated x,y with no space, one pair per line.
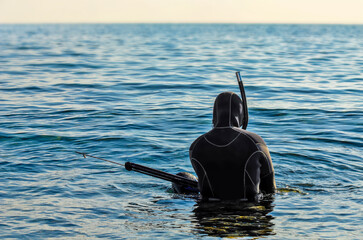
231,163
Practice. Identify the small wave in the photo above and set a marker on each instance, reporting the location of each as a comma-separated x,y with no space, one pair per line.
320,59
23,168
53,222
77,54
334,141
30,48
74,111
30,88
36,137
79,85
354,79
175,86
64,65
14,72
312,91
45,233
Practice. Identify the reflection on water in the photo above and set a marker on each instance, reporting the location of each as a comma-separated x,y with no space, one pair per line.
287,189
234,219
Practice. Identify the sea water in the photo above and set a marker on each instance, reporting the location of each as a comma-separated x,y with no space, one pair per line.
143,93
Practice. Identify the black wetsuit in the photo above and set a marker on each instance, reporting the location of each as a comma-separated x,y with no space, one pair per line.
231,163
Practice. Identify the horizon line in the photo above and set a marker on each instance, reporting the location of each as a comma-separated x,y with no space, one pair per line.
256,23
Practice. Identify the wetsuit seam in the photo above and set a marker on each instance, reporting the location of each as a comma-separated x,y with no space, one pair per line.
233,128
201,181
266,175
205,176
222,145
252,155
250,179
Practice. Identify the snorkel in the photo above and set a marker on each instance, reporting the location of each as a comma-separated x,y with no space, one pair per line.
244,101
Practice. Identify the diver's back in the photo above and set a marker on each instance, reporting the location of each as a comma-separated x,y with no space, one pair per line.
226,160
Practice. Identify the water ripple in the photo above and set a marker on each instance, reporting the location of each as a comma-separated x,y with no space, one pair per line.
143,93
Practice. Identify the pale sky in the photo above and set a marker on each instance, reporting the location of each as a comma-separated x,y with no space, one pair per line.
181,11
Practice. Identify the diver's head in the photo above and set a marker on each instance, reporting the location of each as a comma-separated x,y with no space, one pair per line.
228,110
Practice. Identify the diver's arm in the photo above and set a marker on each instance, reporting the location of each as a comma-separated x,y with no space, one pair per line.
267,174
267,184
267,177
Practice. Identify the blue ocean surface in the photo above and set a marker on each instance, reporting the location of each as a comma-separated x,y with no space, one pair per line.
143,93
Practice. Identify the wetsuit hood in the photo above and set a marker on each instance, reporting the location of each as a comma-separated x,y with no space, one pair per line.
228,110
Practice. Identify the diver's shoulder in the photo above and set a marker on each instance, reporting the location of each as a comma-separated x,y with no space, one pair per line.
196,141
253,136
